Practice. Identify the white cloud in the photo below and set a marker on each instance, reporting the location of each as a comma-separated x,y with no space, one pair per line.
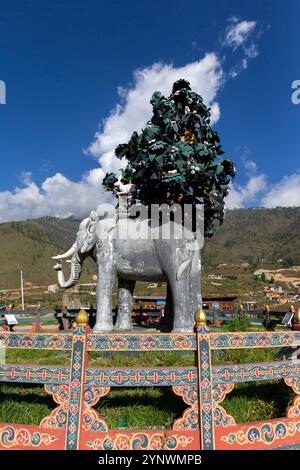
250,166
206,77
241,35
284,193
243,196
238,32
259,192
57,196
252,51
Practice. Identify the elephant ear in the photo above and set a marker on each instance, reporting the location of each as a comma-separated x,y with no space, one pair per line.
89,236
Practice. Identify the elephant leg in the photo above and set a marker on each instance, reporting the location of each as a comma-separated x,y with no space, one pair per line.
195,284
166,323
124,318
183,319
106,278
176,262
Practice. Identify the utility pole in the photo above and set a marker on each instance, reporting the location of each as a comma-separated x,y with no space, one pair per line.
22,290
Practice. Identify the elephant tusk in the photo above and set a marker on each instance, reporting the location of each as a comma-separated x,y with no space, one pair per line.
68,253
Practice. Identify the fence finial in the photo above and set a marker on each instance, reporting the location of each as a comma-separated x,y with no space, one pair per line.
82,318
296,318
200,317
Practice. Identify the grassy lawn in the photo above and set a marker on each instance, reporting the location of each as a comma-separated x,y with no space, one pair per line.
254,401
150,406
147,407
39,357
141,407
24,404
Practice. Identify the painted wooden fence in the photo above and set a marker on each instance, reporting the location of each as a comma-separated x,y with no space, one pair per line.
75,424
65,317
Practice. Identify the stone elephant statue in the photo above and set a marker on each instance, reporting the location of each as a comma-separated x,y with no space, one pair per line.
147,257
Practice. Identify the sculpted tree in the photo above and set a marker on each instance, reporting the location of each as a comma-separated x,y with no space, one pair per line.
177,156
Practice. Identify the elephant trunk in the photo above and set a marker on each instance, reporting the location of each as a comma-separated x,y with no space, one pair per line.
76,266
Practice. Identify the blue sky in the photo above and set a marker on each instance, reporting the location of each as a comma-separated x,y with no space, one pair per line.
67,65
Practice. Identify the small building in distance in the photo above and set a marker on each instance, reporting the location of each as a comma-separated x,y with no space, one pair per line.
244,264
52,288
149,302
209,303
249,305
218,302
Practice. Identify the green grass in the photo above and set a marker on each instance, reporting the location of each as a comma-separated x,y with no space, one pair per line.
143,359
24,404
141,407
137,407
240,356
147,407
254,401
39,357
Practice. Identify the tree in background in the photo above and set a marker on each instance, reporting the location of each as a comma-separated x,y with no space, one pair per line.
176,157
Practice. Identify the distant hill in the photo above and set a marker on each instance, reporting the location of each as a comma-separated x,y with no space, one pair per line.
29,246
259,236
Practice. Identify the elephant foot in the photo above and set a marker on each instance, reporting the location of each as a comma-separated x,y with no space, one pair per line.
123,328
102,329
183,330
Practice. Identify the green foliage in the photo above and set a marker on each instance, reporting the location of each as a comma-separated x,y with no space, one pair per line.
29,246
176,158
208,259
24,404
141,407
288,262
254,401
109,180
21,356
134,359
239,324
253,235
241,356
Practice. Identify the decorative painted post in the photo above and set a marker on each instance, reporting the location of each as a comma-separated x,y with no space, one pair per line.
241,312
64,321
267,313
76,384
296,324
38,319
215,316
296,320
292,309
206,418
